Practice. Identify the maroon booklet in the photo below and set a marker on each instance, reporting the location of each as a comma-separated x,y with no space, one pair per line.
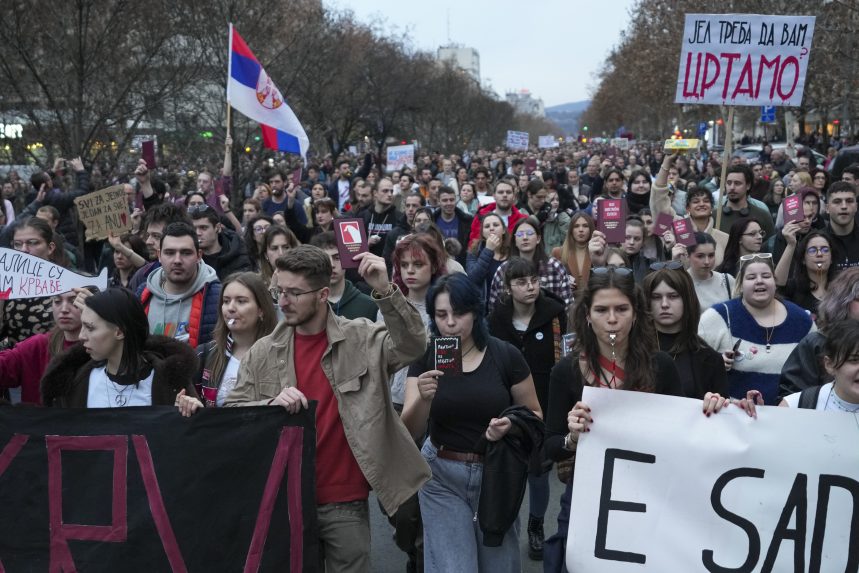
296,177
530,166
351,240
448,354
147,153
684,231
663,223
611,219
793,212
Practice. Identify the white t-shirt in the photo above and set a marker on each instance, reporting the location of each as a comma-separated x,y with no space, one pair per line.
228,381
104,393
827,400
713,290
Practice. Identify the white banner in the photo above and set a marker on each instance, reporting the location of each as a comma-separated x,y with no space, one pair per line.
620,143
660,487
547,142
400,156
517,140
744,59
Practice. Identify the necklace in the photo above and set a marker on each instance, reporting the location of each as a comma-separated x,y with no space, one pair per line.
616,371
466,353
120,399
839,404
769,333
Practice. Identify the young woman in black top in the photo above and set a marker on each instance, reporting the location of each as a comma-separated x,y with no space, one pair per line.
534,321
675,310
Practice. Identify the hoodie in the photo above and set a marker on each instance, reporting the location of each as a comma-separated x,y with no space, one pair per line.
355,304
170,314
380,224
232,257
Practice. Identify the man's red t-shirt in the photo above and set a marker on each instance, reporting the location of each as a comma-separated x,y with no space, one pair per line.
338,476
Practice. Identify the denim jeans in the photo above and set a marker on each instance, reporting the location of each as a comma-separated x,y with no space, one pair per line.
538,494
452,537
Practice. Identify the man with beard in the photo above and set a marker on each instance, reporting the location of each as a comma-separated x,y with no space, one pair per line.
286,197
738,182
380,219
503,206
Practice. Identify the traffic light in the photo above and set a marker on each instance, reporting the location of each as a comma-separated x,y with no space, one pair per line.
585,128
206,134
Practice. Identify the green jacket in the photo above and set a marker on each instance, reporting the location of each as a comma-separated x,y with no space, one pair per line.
354,304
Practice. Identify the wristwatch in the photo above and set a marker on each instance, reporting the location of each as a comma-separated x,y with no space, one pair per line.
569,442
379,295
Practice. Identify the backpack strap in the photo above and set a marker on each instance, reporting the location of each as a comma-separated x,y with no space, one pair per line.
808,397
728,315
727,285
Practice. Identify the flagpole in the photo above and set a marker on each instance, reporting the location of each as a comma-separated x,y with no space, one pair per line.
229,69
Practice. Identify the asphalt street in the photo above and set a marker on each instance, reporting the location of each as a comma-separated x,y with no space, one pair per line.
385,557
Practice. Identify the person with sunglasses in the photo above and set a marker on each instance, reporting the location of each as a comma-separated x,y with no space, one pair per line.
527,237
676,312
616,347
534,321
746,237
756,332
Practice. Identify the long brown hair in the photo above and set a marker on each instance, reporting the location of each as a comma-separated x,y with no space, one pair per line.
478,243
253,282
642,335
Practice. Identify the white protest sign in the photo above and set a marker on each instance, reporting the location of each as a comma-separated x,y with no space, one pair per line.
547,141
104,211
744,59
517,140
660,487
620,142
400,156
28,276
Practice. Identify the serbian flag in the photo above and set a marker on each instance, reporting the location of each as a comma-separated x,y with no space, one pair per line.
251,91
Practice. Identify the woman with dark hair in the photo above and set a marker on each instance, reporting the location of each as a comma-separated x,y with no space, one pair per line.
756,332
118,363
812,221
24,365
810,268
675,310
22,318
774,196
746,237
458,412
820,180
254,233
574,254
841,360
534,321
527,235
616,347
129,254
638,191
247,315
488,253
711,286
324,213
276,241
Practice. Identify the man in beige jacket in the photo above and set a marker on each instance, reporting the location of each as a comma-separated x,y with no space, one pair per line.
345,366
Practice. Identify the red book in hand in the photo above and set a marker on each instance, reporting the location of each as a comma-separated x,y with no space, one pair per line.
611,219
684,232
351,240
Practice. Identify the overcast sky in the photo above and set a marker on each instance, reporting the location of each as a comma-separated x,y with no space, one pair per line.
551,47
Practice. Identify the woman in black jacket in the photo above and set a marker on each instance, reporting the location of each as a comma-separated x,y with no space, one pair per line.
118,363
534,321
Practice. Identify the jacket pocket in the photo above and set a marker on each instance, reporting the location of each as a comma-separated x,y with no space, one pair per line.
268,389
351,383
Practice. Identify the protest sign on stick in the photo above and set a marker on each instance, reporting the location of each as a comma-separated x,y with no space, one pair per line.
720,495
517,140
400,156
104,211
744,59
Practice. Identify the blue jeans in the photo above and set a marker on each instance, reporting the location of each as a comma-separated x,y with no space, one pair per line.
452,537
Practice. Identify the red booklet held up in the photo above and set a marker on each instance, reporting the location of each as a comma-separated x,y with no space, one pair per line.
611,219
147,153
351,240
663,223
684,232
793,212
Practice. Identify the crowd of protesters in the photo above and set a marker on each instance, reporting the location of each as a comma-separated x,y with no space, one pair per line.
224,295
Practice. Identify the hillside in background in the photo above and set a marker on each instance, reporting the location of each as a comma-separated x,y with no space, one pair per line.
567,115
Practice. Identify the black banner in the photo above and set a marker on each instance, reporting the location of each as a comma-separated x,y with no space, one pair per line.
144,489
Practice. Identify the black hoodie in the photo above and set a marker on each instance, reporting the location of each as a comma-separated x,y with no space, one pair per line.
232,257
380,224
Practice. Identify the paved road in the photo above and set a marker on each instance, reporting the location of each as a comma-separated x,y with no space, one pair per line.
387,558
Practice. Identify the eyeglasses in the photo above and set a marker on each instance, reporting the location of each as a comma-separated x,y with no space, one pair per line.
526,233
525,282
198,208
670,265
620,271
752,257
260,228
815,250
290,295
154,236
761,233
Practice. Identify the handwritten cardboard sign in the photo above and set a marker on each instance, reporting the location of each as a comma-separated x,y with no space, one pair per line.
104,211
517,140
448,354
27,276
611,219
400,156
351,240
744,59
